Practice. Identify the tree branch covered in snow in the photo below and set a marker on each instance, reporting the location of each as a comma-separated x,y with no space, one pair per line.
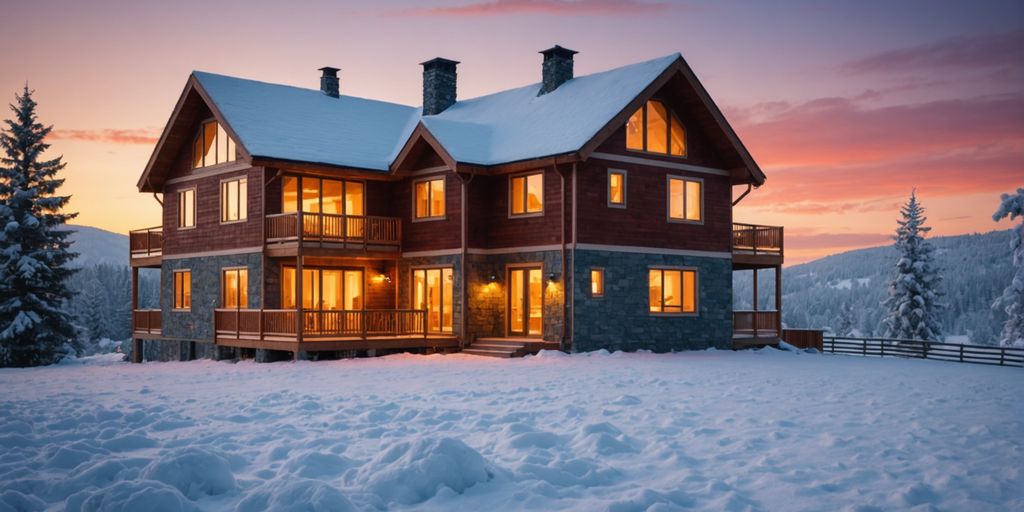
913,302
1012,299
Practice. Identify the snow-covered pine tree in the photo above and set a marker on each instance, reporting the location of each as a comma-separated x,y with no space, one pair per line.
913,303
1012,299
35,324
845,320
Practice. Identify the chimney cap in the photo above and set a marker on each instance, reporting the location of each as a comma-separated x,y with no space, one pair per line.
558,51
329,71
436,61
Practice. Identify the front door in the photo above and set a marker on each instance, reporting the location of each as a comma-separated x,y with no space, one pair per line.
525,301
432,291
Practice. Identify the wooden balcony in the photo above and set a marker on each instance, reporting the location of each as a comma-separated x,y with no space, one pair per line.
755,246
278,329
146,246
286,231
756,328
146,323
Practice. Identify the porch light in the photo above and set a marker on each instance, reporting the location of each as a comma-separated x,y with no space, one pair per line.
493,278
552,276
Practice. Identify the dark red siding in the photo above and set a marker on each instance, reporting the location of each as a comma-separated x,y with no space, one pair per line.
429,235
209,234
491,226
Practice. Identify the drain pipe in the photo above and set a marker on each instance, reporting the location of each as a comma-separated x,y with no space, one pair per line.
744,194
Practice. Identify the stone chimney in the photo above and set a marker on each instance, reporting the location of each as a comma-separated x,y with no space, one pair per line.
329,81
557,68
439,80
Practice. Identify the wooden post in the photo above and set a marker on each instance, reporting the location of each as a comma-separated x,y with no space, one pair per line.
881,348
1002,355
961,353
778,300
754,315
261,324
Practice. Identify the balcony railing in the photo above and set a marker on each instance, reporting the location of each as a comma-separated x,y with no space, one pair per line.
333,228
146,321
755,239
147,242
756,323
261,324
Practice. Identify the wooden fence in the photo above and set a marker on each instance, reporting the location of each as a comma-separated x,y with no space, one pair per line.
886,347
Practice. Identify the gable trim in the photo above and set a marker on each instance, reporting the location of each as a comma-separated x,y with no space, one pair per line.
421,132
659,163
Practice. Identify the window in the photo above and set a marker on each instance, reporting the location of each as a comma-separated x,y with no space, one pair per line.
526,194
616,188
212,146
233,200
324,289
655,129
685,199
182,289
597,282
432,291
327,196
187,208
235,283
428,199
673,290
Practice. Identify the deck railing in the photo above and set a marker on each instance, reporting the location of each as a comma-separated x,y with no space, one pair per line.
757,239
282,323
756,323
146,242
146,321
333,228
885,347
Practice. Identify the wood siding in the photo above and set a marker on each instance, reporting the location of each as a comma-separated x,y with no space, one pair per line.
209,234
491,226
429,235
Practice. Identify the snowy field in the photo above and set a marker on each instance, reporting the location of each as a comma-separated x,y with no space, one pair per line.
708,430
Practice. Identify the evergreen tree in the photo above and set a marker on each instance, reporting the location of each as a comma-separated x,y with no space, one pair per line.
35,324
845,320
913,303
1012,299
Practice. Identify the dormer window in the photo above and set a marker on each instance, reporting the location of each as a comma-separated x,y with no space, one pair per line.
212,146
655,129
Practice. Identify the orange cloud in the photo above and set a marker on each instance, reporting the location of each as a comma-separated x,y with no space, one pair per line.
554,7
111,135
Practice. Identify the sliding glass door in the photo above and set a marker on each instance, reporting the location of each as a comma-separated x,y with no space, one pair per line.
432,291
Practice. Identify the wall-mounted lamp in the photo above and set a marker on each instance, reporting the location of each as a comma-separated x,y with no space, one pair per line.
382,278
492,278
552,276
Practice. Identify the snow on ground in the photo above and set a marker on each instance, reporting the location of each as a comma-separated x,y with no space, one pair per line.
713,430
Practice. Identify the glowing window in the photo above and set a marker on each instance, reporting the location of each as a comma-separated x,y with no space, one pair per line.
429,199
672,290
527,194
187,208
182,289
212,146
616,188
233,200
685,199
597,282
235,284
655,129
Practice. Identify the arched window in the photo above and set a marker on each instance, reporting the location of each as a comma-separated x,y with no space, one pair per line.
212,146
656,129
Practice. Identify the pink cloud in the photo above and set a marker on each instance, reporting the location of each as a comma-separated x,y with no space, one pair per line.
990,50
553,7
111,135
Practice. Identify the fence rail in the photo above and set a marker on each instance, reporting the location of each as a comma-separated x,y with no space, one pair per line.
283,323
146,321
755,323
886,347
757,239
146,242
333,228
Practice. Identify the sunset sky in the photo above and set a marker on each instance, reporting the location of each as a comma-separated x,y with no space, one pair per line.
847,106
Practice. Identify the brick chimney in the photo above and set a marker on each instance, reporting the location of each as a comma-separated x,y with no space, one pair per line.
329,81
439,80
557,68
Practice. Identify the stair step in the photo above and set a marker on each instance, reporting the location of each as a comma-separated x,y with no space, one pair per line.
497,346
488,353
499,341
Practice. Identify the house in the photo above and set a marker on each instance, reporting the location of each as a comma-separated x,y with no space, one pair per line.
576,213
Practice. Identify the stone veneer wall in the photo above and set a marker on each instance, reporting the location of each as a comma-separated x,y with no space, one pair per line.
405,267
620,320
197,324
487,306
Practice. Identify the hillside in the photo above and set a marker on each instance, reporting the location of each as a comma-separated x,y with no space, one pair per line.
98,247
975,270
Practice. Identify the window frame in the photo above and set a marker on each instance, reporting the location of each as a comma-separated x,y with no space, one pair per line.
668,199
526,194
412,292
601,272
223,287
178,292
216,145
444,194
621,172
243,209
181,207
668,132
320,194
319,269
696,291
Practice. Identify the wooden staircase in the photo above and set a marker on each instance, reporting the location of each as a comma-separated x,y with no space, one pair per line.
508,347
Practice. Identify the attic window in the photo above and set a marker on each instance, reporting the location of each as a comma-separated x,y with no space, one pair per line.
212,146
656,129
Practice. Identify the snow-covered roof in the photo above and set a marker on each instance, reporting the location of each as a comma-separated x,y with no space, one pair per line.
517,124
305,125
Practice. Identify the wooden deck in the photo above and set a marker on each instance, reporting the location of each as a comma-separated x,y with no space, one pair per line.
146,247
755,328
755,246
285,232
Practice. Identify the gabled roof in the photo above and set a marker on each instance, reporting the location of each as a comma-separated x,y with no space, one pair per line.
518,124
304,125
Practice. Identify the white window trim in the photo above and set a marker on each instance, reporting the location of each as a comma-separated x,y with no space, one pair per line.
221,197
625,196
543,199
444,188
195,207
668,199
696,291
